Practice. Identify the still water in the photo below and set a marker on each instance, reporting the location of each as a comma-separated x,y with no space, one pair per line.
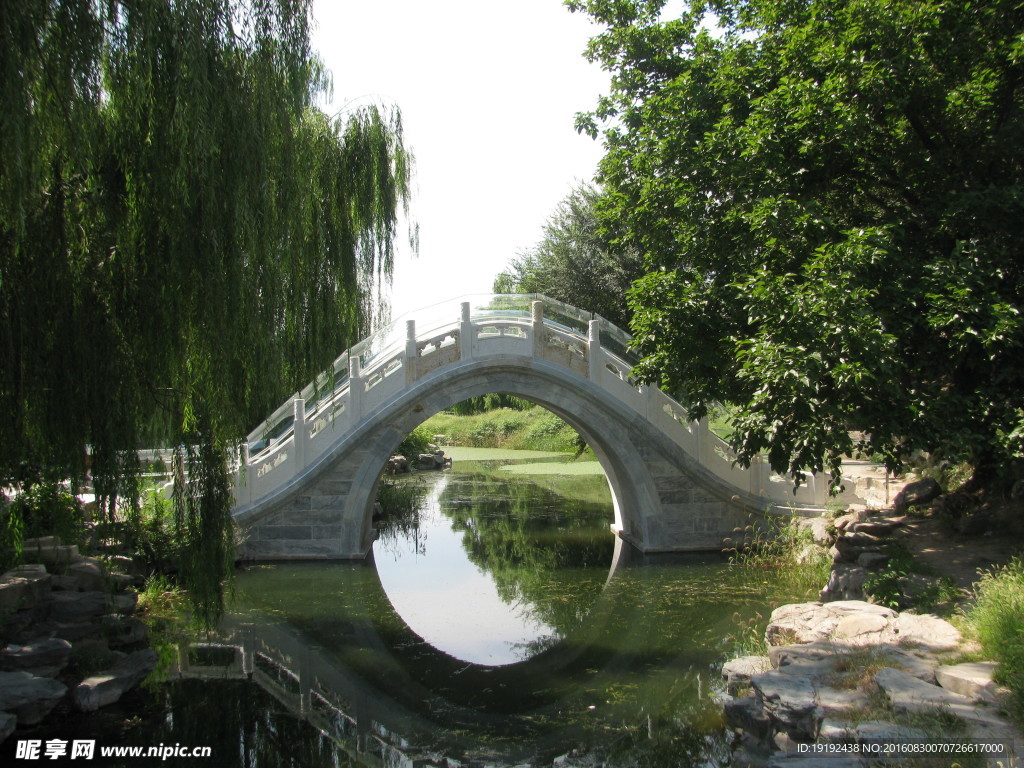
498,623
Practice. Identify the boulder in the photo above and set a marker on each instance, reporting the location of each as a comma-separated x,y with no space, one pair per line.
737,672
7,724
868,732
822,530
746,715
89,575
77,606
108,686
874,527
803,761
973,680
872,561
927,631
121,631
808,622
44,657
845,582
840,702
919,492
29,697
24,586
909,694
789,701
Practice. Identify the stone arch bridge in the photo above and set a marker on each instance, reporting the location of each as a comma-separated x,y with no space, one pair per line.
307,477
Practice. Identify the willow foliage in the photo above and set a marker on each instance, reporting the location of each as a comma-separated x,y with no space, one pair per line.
184,237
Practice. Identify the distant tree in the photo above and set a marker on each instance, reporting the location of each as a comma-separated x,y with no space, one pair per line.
576,261
184,238
828,197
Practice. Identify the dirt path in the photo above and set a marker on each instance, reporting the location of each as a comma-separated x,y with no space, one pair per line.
955,555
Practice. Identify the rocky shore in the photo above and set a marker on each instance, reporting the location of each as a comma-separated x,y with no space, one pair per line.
69,636
844,678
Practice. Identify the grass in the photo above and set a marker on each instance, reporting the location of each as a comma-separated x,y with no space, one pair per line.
790,553
535,429
996,621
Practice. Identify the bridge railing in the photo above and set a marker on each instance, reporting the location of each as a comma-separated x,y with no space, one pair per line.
379,368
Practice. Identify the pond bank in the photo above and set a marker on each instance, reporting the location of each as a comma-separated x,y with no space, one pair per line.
70,640
844,679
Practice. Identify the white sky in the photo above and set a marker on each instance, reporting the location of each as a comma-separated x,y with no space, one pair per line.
488,93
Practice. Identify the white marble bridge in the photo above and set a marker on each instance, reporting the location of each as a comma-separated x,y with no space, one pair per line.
307,477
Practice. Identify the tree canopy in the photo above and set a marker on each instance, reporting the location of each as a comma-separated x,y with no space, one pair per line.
827,195
576,261
185,238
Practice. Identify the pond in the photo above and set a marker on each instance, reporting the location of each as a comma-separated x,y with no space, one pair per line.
499,622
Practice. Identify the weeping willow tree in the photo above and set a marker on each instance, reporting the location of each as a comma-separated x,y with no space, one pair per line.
185,238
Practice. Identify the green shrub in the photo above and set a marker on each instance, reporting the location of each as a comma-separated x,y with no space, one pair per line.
47,509
415,442
997,621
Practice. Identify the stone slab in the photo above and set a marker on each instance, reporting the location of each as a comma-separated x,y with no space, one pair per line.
108,686
29,697
973,680
737,672
789,700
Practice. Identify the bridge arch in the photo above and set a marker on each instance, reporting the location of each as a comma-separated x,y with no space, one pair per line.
309,491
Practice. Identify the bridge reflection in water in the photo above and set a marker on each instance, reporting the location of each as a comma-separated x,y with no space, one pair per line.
385,697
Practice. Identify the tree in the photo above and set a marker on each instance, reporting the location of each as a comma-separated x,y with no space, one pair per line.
827,196
184,238
576,262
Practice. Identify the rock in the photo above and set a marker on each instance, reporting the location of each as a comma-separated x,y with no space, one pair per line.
973,680
786,655
839,702
858,625
44,657
29,697
746,714
59,555
125,602
873,527
872,561
908,694
919,492
803,761
807,622
122,631
108,686
868,732
89,575
858,539
737,672
790,702
77,606
22,587
845,582
822,530
927,631
7,724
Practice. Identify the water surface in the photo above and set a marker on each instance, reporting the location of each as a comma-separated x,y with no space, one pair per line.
500,623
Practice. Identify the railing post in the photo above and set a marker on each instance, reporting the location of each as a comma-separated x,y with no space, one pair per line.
244,485
700,435
355,391
411,356
758,487
595,357
299,432
537,327
465,334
